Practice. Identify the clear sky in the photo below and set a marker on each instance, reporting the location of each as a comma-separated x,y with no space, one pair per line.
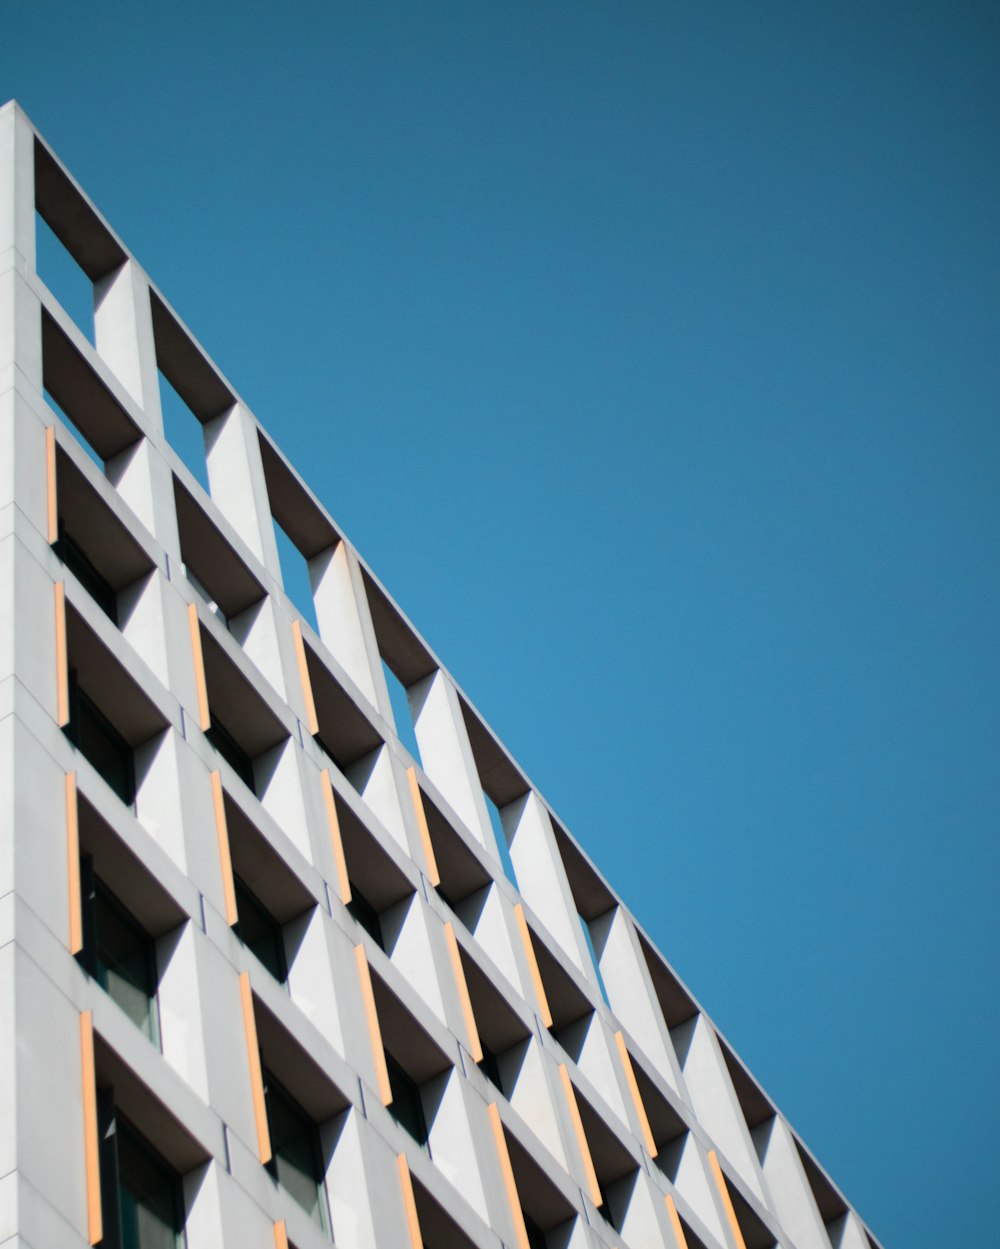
653,352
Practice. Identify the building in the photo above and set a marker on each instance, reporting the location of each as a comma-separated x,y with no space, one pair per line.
269,976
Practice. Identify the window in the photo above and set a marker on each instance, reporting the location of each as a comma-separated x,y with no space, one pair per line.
536,1237
232,752
366,915
97,739
260,931
489,1066
85,572
296,1160
406,1107
119,953
140,1192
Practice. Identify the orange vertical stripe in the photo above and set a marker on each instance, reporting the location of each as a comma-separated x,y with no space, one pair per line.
536,975
280,1235
204,716
471,1031
727,1201
312,723
336,841
73,866
256,1075
507,1175
225,857
95,1226
675,1223
62,658
633,1088
581,1138
374,1031
51,498
425,833
409,1203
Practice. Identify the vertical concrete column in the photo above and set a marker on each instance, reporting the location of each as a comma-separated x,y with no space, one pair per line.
123,333
446,753
631,993
17,186
714,1099
237,484
344,621
541,877
788,1186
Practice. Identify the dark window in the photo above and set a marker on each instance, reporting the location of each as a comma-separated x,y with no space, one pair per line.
97,739
366,915
260,931
140,1192
296,1160
489,1066
88,576
232,752
536,1237
119,953
406,1107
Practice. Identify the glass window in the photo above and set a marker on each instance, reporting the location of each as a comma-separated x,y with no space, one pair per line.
232,752
366,915
88,576
97,739
119,954
260,931
149,1195
406,1107
296,1161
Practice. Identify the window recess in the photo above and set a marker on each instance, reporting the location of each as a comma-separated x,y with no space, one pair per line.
110,716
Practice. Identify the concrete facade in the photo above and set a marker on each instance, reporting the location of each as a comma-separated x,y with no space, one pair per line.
415,1050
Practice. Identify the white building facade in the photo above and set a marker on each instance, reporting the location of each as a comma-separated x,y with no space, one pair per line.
292,952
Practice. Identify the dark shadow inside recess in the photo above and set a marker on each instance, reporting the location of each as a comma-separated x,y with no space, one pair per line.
111,716
830,1203
269,895
754,1103
60,271
503,1034
546,1211
568,1003
95,545
345,731
460,867
438,1230
222,577
93,411
676,1004
244,730
378,885
756,1233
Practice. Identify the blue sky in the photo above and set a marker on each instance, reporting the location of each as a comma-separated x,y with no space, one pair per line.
654,353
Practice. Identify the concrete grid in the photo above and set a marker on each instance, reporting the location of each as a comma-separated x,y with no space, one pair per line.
614,1113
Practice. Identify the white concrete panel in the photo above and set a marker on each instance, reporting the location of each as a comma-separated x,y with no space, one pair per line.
714,1099
49,1084
8,1062
311,977
236,481
183,1042
282,773
847,1233
452,1144
631,993
144,480
533,1094
374,777
418,953
541,877
446,754
40,871
787,1185
343,619
123,334
493,932
696,1187
604,1070
17,184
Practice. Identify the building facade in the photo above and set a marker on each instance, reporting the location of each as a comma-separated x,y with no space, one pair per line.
292,952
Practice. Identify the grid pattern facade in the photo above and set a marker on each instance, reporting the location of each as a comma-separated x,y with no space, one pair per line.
268,976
